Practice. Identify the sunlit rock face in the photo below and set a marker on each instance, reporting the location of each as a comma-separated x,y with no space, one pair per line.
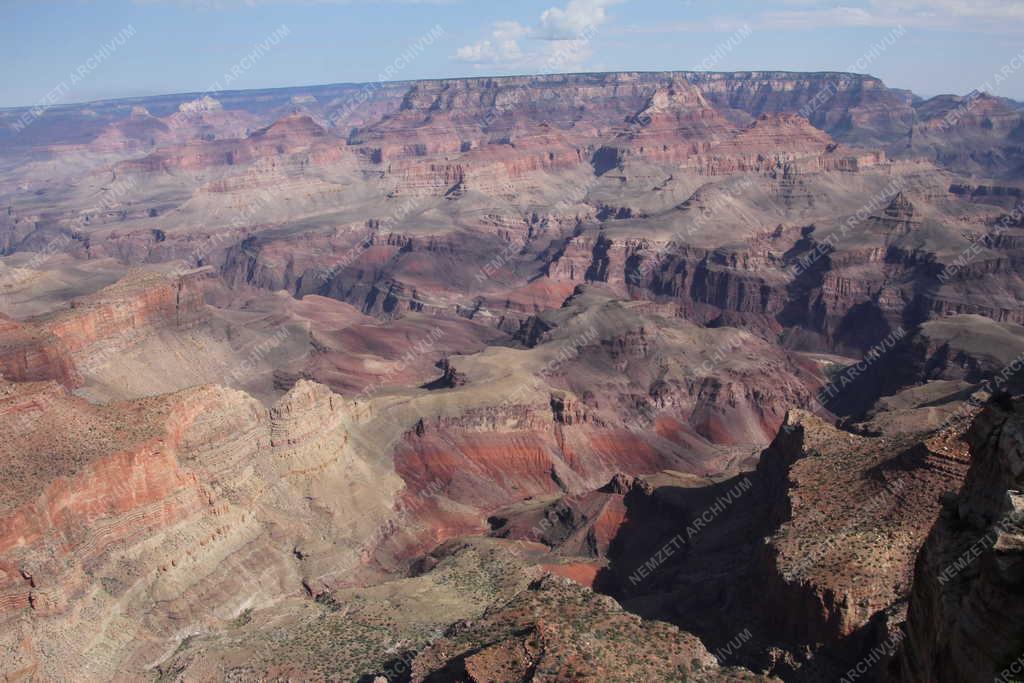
471,378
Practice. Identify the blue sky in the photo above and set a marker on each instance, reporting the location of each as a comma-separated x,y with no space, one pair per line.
929,46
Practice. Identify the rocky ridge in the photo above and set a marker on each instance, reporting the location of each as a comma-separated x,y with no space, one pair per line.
964,622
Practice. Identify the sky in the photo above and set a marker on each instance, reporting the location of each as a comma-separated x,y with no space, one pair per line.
64,51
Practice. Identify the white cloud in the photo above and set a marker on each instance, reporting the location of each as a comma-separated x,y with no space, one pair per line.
560,40
502,46
573,21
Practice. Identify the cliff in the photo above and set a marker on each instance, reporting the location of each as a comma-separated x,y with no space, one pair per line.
966,619
202,502
29,354
91,330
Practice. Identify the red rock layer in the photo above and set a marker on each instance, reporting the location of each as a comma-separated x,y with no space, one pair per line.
139,301
177,500
29,354
488,466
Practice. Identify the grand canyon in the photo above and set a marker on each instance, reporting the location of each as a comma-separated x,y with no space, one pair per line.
618,376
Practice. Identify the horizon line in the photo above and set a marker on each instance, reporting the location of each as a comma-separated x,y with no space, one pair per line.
381,83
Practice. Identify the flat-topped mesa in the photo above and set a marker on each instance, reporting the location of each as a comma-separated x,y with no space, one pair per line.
498,103
824,97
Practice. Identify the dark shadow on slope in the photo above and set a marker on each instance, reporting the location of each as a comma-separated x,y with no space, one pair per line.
720,583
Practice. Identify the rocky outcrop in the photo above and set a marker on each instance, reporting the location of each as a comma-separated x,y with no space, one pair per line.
579,529
203,502
966,619
28,353
812,553
493,456
139,302
976,133
93,329
449,379
898,217
842,555
556,630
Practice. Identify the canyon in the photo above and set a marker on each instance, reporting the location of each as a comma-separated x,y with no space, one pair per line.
605,376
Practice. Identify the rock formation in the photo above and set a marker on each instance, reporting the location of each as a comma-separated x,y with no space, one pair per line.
560,377
177,500
965,618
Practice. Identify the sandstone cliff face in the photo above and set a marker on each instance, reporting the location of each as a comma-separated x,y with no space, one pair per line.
970,133
92,330
493,456
202,501
966,619
830,100
29,354
812,553
852,512
141,301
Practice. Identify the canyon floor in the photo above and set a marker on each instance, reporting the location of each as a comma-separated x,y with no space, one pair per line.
595,377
